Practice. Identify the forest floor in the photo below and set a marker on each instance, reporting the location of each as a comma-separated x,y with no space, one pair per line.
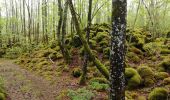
24,85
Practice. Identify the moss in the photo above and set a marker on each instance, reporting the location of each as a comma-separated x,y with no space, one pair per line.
101,35
53,44
165,65
151,49
158,94
76,72
106,51
161,75
147,75
133,57
57,48
166,81
99,80
104,43
165,51
2,96
133,79
76,42
136,50
92,44
168,35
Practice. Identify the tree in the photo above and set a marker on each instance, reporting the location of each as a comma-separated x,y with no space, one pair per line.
117,54
86,56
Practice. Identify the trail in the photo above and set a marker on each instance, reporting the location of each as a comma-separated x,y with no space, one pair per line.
24,85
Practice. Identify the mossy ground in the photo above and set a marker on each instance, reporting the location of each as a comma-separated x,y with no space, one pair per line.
147,63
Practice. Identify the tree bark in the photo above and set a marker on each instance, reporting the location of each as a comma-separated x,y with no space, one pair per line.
117,54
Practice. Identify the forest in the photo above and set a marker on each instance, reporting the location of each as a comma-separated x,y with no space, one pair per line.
84,49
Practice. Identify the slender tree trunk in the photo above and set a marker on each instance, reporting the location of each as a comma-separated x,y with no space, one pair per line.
117,54
86,56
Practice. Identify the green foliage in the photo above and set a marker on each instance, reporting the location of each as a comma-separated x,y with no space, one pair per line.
13,53
158,94
80,94
98,86
148,77
76,72
133,79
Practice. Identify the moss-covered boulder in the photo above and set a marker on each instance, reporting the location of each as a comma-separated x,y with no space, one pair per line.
76,72
151,49
2,96
165,65
133,79
158,94
132,57
161,75
166,81
147,75
76,42
168,35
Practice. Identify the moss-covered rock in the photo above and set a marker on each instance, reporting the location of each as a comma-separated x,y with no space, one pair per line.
151,49
165,65
102,35
76,72
133,57
168,35
148,77
99,80
158,94
161,75
166,81
2,96
133,79
165,51
76,42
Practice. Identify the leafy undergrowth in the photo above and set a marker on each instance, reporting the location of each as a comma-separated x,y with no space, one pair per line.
147,64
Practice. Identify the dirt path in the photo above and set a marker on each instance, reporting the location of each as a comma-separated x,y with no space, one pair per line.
24,85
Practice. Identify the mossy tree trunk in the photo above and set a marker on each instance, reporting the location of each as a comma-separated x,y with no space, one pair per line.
98,64
86,56
62,24
117,54
66,52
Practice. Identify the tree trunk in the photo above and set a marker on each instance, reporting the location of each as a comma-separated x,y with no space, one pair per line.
86,56
117,54
66,52
98,64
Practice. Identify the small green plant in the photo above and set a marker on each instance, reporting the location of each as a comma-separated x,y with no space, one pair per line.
99,86
80,94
